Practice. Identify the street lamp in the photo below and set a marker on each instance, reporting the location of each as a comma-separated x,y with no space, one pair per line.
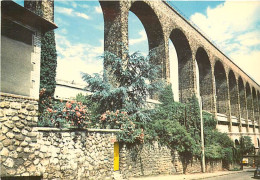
202,137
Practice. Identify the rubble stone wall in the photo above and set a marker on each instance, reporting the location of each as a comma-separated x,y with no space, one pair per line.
27,150
155,160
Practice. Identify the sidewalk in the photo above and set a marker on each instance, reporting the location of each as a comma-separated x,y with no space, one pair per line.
189,176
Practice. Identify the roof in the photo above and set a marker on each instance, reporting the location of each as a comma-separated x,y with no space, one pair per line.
15,12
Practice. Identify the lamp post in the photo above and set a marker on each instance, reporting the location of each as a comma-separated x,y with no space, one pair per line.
202,137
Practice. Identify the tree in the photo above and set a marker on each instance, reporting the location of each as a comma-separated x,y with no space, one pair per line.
244,147
134,80
170,128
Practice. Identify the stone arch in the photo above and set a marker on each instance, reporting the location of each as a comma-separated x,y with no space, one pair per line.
150,22
116,30
221,88
185,64
154,32
249,101
205,79
242,98
233,92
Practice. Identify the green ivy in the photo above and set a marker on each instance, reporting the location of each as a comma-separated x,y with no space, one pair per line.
48,63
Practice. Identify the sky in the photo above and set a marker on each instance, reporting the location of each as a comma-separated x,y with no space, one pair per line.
234,26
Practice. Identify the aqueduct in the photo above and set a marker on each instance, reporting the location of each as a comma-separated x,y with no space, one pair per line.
225,89
28,150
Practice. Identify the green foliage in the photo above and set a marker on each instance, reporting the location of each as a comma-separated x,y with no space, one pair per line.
172,126
245,145
47,74
48,63
166,95
209,121
177,125
218,145
134,80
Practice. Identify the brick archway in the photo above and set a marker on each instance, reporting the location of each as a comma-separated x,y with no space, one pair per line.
185,64
205,79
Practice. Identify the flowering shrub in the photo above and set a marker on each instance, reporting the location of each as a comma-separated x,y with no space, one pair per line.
70,114
130,132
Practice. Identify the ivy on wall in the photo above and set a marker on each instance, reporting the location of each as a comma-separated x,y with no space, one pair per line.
48,58
48,63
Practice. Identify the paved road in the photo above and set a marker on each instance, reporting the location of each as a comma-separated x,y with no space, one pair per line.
247,175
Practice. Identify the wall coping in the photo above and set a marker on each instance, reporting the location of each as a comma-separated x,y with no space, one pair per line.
51,129
18,96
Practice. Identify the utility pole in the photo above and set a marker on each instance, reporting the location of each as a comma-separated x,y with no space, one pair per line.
202,137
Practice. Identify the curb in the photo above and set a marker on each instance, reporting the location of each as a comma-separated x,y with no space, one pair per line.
235,172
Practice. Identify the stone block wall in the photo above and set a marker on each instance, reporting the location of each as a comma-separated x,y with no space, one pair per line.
155,159
18,116
70,154
50,153
146,160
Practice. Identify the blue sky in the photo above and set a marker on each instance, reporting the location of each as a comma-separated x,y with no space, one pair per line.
233,25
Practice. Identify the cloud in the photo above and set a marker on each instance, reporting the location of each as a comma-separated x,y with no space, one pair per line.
248,60
63,10
234,27
82,15
98,9
84,6
71,12
75,58
142,38
74,4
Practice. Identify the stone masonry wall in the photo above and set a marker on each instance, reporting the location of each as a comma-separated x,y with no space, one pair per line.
155,159
18,116
75,154
51,153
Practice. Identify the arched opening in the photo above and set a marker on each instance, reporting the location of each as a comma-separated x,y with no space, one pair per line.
255,104
185,64
233,92
221,88
242,99
137,37
174,71
236,142
205,80
79,43
249,101
154,33
258,143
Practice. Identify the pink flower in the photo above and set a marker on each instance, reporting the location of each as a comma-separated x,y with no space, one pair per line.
76,108
68,105
103,117
49,109
78,114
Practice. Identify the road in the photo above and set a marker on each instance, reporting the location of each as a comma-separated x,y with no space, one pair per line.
247,175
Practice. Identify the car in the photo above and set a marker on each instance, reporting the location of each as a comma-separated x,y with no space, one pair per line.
257,172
